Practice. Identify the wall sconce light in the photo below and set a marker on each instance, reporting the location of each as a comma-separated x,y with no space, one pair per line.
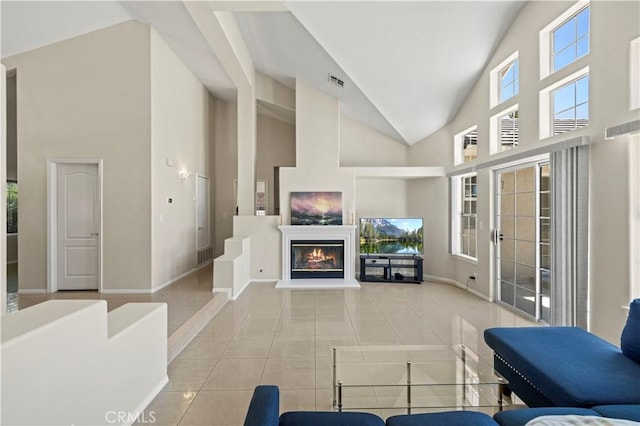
184,174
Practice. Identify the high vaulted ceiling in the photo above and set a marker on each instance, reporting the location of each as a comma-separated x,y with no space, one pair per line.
406,66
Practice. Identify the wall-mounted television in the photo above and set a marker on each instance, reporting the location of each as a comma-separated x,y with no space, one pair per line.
391,235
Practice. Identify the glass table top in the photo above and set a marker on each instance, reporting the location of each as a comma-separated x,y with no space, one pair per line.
414,377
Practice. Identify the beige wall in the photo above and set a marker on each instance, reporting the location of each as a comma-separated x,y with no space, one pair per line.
225,172
361,146
613,26
276,142
12,154
88,97
179,135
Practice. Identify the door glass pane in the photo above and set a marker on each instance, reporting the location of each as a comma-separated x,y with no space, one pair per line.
508,182
526,204
526,252
526,301
507,271
508,249
525,180
507,204
526,228
507,226
526,277
507,293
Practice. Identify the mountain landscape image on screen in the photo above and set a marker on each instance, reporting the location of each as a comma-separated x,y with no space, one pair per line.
391,236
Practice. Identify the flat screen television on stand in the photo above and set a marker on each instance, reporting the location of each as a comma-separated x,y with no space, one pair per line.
401,236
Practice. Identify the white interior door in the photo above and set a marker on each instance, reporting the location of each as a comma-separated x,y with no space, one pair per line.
202,212
78,225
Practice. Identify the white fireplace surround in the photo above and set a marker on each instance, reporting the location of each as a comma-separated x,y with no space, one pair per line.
346,233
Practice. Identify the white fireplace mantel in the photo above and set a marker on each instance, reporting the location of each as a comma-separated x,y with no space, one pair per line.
346,233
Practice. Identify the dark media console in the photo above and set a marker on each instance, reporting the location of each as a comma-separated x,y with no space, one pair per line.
391,268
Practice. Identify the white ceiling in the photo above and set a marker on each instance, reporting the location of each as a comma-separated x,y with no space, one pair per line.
407,66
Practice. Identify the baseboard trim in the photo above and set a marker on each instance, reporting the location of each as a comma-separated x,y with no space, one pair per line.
449,281
264,280
156,288
32,291
235,296
179,277
126,291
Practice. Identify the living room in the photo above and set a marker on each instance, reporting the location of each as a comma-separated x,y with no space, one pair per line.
149,118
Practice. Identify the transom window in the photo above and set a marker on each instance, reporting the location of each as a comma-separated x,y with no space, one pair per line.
571,106
508,130
571,40
466,146
509,84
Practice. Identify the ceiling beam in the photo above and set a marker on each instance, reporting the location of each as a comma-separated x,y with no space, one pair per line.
221,31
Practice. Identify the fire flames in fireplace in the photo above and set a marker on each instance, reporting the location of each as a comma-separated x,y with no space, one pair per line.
317,259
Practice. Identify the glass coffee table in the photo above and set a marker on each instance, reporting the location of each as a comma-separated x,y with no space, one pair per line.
414,377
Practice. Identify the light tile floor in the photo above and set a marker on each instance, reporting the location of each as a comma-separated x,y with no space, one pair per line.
184,298
284,338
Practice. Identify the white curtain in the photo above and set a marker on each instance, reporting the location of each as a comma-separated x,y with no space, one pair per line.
570,241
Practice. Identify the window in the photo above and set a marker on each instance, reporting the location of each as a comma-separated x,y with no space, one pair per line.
12,207
466,145
509,81
504,130
468,216
571,106
571,40
504,80
464,241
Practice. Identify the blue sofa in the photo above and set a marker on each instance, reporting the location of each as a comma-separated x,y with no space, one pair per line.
265,404
567,366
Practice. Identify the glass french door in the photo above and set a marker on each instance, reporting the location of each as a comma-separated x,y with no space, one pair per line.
523,238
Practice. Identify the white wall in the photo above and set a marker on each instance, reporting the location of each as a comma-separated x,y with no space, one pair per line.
180,134
69,362
317,152
613,26
266,242
88,97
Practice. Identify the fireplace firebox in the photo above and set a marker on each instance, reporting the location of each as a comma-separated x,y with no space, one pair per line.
317,259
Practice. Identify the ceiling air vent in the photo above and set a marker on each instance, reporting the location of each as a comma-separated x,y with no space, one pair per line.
335,80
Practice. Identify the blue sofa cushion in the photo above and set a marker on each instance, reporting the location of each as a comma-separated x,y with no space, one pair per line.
445,418
630,339
326,418
264,407
522,417
622,411
569,366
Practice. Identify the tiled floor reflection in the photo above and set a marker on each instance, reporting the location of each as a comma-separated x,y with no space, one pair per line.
284,337
184,298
